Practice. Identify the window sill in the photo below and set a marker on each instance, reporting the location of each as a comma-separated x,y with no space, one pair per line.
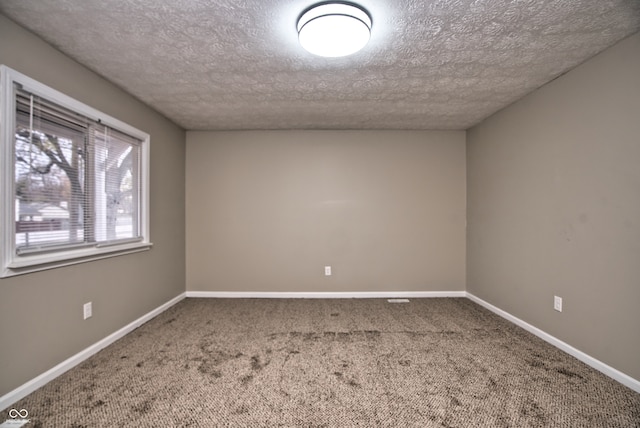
33,263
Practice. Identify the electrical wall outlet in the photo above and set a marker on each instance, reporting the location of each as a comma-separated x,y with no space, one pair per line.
327,271
87,310
557,303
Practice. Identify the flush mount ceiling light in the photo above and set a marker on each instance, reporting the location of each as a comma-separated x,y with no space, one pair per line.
334,29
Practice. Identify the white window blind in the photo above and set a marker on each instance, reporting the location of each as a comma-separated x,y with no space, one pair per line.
77,180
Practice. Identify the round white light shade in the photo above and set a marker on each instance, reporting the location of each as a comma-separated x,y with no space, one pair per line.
334,29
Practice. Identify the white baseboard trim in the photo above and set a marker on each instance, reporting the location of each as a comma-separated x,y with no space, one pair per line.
27,388
617,375
22,391
323,295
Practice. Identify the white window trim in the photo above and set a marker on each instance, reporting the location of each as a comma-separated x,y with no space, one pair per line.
10,263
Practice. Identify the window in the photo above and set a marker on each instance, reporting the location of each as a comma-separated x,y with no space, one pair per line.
74,181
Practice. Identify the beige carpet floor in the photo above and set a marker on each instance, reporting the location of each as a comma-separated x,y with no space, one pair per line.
331,363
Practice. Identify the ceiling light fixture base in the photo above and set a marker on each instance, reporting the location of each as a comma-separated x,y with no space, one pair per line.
334,29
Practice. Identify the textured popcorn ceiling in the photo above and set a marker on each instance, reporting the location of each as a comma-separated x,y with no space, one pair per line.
236,64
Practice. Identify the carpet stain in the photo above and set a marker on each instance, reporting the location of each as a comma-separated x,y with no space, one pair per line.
335,314
531,409
450,333
209,369
310,336
217,357
97,403
289,354
240,410
343,336
88,386
244,380
372,334
256,365
536,364
492,384
347,381
170,321
328,336
143,408
140,364
210,364
568,373
404,363
93,404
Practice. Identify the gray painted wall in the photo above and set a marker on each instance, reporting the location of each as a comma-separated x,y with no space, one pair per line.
41,313
554,207
266,211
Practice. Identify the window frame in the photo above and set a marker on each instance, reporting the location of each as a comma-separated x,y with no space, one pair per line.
12,263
